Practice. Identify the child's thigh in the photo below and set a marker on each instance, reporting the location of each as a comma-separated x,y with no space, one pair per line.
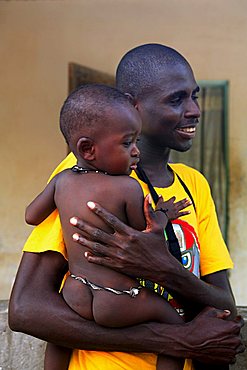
79,297
114,310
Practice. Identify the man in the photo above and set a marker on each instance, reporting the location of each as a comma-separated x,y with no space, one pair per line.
161,84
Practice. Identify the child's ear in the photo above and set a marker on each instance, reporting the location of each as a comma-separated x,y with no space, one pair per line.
86,148
131,99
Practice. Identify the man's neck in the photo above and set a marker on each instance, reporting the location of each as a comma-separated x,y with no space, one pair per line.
154,162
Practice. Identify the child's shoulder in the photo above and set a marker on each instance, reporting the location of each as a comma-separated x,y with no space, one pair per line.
127,182
123,185
62,176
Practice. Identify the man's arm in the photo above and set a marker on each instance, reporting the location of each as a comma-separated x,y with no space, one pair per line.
128,250
37,309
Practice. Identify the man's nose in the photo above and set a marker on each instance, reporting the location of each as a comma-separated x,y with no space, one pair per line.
192,109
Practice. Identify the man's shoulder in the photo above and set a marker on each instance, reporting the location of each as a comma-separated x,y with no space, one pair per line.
68,162
187,173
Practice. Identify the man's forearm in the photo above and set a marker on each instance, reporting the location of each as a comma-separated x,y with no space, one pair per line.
37,309
218,343
213,291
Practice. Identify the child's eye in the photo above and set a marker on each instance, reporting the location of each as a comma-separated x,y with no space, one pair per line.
127,144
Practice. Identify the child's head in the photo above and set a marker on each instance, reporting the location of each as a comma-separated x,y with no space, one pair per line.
101,127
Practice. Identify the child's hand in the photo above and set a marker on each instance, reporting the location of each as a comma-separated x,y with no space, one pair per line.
171,209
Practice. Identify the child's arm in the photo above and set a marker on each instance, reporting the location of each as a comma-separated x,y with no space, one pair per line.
56,357
135,205
43,205
171,209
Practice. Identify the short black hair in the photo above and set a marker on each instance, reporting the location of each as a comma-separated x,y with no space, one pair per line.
139,67
87,106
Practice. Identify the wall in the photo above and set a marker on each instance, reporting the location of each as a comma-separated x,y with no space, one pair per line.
39,38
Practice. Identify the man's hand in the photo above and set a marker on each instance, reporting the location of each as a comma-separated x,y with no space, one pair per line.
126,250
212,338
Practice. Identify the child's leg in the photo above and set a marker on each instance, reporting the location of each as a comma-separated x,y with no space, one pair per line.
116,311
200,366
56,357
169,363
112,310
78,297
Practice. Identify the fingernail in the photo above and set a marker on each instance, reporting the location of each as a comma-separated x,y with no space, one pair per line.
149,199
75,237
86,254
91,204
227,311
73,221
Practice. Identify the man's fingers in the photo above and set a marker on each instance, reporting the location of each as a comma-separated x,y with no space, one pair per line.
108,217
107,262
95,249
92,232
149,213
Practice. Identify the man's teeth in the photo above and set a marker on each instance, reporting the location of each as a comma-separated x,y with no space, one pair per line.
188,129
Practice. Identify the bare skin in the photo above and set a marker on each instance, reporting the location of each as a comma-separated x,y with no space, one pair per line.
167,113
116,255
218,341
68,191
120,251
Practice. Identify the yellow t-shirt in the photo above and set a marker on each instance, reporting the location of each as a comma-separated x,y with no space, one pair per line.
202,246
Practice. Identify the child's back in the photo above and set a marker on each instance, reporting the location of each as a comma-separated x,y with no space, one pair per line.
122,196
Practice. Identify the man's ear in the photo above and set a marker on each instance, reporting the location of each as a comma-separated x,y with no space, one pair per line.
86,148
131,99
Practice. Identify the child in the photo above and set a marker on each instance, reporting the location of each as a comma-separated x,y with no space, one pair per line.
102,128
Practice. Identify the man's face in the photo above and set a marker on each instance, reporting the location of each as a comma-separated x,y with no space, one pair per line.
170,110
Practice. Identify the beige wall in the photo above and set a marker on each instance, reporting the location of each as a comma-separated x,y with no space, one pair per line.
39,38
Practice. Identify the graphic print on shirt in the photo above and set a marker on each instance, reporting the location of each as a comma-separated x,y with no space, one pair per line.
190,250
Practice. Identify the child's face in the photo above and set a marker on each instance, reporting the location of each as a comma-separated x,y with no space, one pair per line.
116,150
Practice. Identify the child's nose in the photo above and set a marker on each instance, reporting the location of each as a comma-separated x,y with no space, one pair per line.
135,151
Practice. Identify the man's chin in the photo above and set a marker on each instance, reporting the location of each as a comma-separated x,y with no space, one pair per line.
183,148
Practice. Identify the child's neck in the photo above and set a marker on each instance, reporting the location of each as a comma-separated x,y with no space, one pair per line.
80,169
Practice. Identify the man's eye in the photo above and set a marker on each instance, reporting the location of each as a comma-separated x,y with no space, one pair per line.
176,100
195,97
127,143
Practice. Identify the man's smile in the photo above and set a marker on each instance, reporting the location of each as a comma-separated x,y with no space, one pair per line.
187,132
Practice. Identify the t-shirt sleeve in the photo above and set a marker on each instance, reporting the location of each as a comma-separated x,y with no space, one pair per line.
48,235
214,253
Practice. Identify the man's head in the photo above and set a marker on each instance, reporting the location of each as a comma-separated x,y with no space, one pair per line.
140,67
163,88
101,126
